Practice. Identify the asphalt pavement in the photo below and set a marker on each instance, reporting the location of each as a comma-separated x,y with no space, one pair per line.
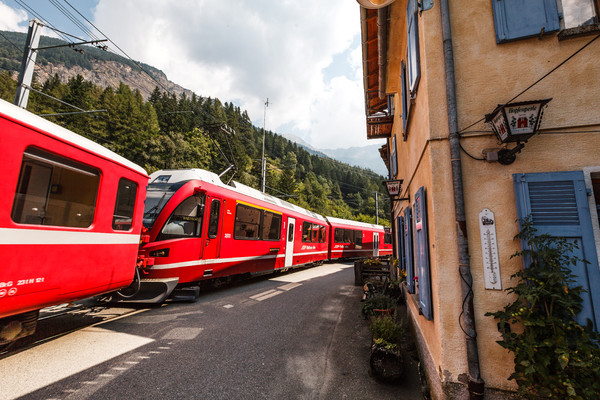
298,335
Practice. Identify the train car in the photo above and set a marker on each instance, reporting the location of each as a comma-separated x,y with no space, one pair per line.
198,228
353,239
70,219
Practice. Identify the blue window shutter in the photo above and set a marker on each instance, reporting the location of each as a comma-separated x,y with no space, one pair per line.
400,241
405,99
519,19
558,205
414,62
422,253
408,251
394,162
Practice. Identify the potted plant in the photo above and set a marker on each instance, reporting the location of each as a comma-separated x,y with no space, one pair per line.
378,304
386,358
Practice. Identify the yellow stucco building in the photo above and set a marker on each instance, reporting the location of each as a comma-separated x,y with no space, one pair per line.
435,72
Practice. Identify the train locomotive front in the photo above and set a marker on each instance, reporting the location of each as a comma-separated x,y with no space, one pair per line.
197,228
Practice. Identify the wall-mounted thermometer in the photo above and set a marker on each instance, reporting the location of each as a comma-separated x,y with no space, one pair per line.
489,250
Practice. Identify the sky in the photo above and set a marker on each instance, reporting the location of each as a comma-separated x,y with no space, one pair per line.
304,56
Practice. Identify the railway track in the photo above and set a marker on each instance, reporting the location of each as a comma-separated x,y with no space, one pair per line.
60,320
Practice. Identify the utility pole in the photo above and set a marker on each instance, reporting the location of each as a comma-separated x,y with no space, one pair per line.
263,159
377,208
28,63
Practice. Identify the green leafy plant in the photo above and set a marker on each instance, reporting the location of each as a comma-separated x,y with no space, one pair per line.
555,356
377,302
386,331
372,261
386,345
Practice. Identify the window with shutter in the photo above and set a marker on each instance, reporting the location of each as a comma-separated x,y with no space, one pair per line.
519,19
405,100
408,251
557,203
422,253
394,160
400,242
414,62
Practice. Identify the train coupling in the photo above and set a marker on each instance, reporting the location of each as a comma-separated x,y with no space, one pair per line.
153,290
144,262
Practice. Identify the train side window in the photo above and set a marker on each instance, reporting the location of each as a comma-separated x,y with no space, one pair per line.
271,229
322,234
213,219
348,236
186,219
53,190
125,204
247,222
338,236
306,231
358,239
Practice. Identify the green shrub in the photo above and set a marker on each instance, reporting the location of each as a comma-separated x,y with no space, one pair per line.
555,357
377,302
386,330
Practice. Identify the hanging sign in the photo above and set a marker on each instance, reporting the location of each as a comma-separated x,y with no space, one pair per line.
489,250
393,187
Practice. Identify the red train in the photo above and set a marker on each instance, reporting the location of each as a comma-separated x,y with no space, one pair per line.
73,225
70,219
198,228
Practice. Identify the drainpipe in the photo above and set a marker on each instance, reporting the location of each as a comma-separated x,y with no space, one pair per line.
476,384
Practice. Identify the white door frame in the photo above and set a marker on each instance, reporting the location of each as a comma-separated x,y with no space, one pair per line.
375,244
289,241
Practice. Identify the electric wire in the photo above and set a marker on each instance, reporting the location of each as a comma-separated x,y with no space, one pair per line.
539,80
73,19
42,19
467,153
117,46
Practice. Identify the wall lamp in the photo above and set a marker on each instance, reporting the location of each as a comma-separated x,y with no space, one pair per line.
514,122
394,188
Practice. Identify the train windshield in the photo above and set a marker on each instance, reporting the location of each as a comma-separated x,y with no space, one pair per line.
157,196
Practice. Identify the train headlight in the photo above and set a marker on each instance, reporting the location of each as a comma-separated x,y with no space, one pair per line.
160,253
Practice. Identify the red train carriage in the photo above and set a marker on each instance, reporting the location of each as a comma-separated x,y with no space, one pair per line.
353,239
199,228
70,219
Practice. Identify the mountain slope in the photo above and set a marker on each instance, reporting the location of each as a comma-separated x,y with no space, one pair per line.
365,157
104,68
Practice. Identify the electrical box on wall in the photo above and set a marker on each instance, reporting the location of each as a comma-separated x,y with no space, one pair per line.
489,250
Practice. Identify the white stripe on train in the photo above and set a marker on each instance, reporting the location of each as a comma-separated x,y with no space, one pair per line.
10,236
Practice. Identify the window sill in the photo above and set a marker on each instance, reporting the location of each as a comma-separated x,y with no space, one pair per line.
579,31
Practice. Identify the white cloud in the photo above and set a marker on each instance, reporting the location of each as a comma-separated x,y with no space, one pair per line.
245,51
12,20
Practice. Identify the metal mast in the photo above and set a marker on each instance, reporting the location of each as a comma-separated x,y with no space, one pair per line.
263,160
28,63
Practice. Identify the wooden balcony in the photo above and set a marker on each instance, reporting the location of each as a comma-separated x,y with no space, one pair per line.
380,127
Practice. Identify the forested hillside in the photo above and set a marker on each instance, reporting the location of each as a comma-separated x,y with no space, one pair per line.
180,131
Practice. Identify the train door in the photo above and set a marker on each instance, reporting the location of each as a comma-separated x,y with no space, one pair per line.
289,242
375,244
212,242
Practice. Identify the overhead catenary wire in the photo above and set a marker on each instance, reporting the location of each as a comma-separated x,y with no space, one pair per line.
73,19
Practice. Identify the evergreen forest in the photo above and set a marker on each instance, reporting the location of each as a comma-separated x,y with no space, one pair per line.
179,131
